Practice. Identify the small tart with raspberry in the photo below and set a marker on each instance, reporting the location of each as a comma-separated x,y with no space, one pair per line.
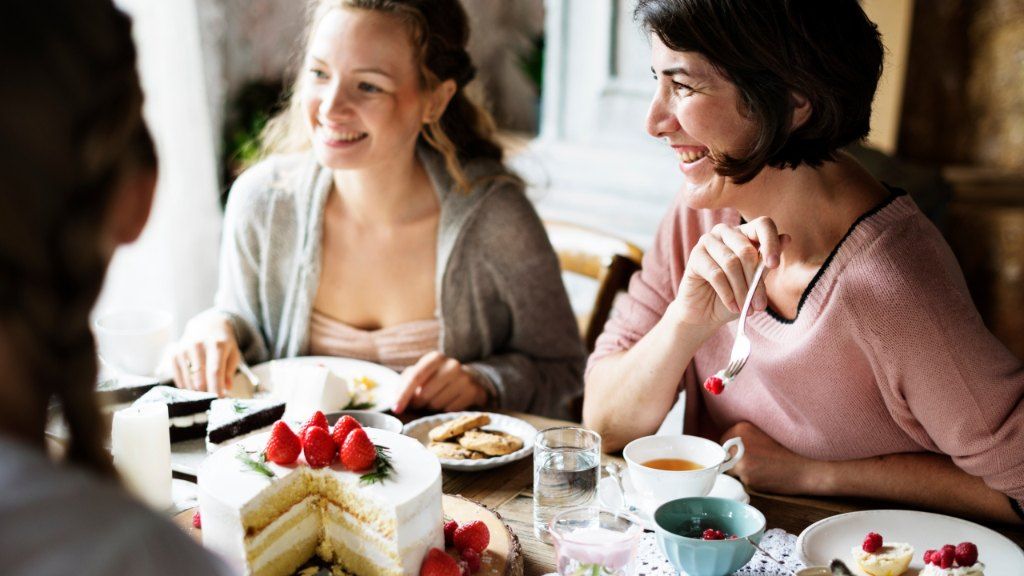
890,559
977,569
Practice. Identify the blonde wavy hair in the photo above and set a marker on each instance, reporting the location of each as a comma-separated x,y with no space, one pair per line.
439,30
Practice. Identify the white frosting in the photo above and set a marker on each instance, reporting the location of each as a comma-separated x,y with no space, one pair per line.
307,388
978,569
411,496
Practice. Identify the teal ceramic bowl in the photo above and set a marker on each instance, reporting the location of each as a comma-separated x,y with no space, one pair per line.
679,524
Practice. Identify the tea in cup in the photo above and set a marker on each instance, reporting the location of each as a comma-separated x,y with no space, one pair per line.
668,467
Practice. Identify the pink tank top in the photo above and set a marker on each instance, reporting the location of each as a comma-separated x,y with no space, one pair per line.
396,347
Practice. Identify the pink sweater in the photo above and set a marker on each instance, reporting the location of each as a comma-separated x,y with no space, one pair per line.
887,353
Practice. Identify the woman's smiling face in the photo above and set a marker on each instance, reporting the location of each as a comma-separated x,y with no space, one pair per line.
362,93
698,111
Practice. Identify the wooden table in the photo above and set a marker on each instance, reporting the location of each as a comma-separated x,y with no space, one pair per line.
508,491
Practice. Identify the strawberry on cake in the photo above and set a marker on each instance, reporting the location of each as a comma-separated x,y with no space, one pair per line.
367,501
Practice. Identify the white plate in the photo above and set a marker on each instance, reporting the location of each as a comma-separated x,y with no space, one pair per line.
608,495
389,382
834,538
419,429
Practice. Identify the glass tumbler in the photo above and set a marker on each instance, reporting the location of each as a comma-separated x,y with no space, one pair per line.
566,469
595,540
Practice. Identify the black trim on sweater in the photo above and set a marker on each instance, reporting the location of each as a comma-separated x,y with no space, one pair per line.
894,193
1017,507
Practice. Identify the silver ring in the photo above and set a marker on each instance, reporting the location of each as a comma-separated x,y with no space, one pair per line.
192,368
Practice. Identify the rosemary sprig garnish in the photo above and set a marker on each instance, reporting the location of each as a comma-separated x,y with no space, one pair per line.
382,467
258,464
353,405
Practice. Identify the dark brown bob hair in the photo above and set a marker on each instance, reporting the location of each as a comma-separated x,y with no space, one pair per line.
826,50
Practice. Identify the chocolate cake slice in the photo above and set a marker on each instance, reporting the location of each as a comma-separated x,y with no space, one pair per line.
120,391
186,409
234,417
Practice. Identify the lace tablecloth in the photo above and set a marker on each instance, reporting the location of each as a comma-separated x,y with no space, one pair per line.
776,542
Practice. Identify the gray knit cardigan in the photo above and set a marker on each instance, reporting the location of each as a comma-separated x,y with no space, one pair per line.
500,298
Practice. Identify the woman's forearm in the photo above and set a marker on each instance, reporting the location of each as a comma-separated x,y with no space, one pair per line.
628,394
925,480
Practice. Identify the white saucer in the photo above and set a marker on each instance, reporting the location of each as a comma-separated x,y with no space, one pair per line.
608,496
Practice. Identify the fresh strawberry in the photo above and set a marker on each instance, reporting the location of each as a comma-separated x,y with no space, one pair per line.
437,563
472,558
197,522
317,420
872,542
342,427
318,447
928,556
966,554
358,453
714,385
946,556
473,535
284,446
449,532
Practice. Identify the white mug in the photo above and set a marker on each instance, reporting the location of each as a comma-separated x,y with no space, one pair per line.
656,486
133,340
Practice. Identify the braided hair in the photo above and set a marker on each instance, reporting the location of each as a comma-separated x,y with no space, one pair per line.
71,128
440,32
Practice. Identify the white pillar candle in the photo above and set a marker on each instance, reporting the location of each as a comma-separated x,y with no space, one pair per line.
141,444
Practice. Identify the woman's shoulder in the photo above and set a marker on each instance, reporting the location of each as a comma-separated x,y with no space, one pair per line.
276,174
281,179
56,508
899,260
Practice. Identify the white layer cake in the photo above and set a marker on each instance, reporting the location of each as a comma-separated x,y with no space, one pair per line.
270,526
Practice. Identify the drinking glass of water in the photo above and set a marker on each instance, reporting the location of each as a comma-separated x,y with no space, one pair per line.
566,469
595,540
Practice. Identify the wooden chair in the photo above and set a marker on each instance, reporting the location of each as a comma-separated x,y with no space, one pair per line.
606,258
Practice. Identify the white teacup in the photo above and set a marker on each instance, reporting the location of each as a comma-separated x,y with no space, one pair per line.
133,340
656,486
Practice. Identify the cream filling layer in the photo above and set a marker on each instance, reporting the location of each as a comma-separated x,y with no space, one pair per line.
306,529
190,420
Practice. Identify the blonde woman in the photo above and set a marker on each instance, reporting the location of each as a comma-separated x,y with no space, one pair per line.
383,226
79,171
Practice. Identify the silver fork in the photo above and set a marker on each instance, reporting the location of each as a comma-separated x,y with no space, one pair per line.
741,347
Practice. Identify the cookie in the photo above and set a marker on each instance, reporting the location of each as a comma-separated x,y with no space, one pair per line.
452,451
453,428
492,443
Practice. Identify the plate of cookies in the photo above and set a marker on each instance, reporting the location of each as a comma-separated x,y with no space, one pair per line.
473,440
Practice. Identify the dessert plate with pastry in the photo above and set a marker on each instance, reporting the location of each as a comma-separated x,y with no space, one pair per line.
897,542
326,383
473,440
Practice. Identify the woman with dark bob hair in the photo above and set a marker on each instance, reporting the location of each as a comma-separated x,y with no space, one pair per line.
79,169
871,372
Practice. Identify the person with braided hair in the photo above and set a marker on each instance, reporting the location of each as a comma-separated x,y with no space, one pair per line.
384,226
79,172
